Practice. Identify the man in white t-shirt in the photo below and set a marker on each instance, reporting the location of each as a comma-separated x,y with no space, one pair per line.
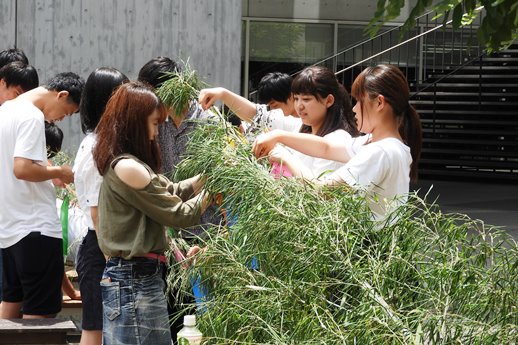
30,232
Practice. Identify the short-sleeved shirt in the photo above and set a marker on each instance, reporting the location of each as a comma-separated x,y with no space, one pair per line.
131,221
173,140
173,148
381,169
265,120
87,179
26,206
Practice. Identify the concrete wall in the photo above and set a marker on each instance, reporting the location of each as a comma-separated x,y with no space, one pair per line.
81,35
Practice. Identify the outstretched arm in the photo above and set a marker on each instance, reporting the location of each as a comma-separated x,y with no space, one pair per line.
298,169
294,165
308,144
241,106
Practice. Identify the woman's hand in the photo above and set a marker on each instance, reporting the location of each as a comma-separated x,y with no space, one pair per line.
205,200
190,257
279,155
198,182
208,97
265,143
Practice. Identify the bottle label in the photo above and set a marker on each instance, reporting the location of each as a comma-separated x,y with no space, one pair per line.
189,341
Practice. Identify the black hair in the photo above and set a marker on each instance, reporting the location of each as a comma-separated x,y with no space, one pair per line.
12,55
53,139
153,72
389,81
320,82
97,91
67,81
274,86
19,74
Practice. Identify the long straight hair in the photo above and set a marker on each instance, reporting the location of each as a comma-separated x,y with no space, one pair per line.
123,128
389,81
98,89
320,82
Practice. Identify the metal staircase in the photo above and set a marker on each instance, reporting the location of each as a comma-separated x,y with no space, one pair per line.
468,101
470,119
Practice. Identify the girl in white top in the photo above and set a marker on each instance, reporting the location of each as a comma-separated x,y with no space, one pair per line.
99,87
322,105
383,161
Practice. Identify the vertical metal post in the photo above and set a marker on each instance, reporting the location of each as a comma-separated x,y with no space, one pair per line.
335,46
15,23
420,64
247,57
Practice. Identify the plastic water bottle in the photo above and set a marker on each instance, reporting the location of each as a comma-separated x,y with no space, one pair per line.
189,334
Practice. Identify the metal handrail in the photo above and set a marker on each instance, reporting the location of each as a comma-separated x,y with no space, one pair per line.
421,55
366,41
394,47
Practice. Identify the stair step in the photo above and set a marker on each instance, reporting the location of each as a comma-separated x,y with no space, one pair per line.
470,85
467,94
475,122
500,175
472,132
440,102
491,154
503,69
500,59
474,113
474,142
471,163
476,76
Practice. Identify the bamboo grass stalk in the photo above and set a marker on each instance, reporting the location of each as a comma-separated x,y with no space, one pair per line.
330,275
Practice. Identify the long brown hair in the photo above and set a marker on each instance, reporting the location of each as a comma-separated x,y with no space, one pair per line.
320,82
123,127
389,81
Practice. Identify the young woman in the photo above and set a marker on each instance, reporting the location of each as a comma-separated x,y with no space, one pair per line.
322,104
383,161
90,260
135,203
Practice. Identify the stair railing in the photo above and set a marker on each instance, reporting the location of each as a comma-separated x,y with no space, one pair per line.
432,45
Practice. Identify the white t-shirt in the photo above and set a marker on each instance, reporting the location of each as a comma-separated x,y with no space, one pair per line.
265,120
275,119
320,166
381,169
86,177
26,206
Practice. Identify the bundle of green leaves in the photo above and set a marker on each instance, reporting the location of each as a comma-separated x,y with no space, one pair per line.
180,88
329,274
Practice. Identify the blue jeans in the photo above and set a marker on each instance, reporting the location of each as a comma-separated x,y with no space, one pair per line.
134,305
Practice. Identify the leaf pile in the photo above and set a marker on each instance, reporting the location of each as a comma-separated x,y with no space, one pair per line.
328,274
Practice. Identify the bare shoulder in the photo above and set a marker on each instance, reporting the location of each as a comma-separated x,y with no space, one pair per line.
132,173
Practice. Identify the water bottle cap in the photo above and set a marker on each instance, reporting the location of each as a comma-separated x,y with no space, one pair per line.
189,320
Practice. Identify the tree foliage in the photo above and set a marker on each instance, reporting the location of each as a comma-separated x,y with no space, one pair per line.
499,17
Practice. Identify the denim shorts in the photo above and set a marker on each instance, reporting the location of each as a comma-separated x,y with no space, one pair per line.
134,305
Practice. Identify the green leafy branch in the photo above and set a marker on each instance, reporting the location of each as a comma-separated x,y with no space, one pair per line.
329,274
499,26
180,88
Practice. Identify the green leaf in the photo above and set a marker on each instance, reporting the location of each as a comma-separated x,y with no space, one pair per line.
457,16
179,89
